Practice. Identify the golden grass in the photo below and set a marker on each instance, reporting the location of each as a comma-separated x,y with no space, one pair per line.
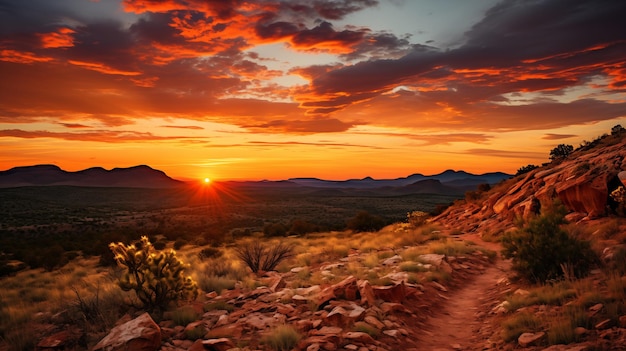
282,338
556,294
518,324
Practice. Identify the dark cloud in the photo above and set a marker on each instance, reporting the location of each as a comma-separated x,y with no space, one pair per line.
338,9
324,32
531,46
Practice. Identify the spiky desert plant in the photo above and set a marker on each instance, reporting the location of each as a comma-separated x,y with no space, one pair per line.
157,277
263,257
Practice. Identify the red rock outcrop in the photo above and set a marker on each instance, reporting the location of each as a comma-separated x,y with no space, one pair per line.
139,334
582,182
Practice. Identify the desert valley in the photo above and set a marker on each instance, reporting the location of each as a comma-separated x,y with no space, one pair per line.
131,259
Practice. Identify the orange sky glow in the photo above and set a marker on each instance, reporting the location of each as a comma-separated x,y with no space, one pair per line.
334,89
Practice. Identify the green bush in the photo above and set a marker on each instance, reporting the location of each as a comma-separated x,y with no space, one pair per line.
156,277
542,250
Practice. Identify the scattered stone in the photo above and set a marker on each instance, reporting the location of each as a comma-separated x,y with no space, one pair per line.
439,286
604,324
359,337
62,340
394,333
374,322
345,315
434,259
141,333
593,310
580,331
393,293
277,283
391,261
367,293
521,292
389,307
221,344
501,308
528,339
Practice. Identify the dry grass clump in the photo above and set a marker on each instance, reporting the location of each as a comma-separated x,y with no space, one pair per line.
556,294
282,338
520,323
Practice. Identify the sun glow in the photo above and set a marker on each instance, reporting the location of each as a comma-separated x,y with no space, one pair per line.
207,180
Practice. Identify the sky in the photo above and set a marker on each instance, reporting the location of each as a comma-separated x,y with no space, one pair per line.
334,89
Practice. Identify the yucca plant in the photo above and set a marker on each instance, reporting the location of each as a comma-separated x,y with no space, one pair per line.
157,277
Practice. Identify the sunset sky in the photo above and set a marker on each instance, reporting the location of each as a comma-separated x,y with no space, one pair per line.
306,88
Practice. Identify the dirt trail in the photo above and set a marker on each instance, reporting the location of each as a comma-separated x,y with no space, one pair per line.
460,323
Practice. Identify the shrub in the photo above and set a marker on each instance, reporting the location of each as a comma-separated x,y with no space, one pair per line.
526,169
210,252
417,218
260,257
282,338
155,276
275,229
366,222
542,248
560,152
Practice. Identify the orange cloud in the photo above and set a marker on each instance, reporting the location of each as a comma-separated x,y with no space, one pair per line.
60,39
102,68
22,57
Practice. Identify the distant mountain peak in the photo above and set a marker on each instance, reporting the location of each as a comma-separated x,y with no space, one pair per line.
141,176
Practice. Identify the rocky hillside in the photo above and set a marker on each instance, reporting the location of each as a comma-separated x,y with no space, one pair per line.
433,287
583,182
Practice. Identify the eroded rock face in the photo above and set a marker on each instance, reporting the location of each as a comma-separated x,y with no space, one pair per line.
139,334
582,183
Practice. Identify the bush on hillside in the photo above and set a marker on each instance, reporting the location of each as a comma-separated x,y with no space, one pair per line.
526,169
542,250
417,218
262,257
156,277
366,222
560,152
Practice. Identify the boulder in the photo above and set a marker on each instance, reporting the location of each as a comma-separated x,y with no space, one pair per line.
62,340
359,337
346,289
587,194
345,315
528,339
139,334
393,293
367,293
221,344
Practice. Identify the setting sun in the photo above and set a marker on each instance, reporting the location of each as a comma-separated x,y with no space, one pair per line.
207,180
